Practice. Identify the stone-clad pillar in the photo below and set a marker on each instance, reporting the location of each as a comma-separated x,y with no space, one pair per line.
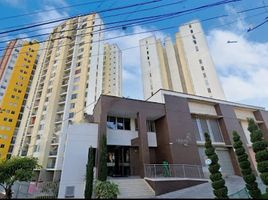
144,154
262,115
228,124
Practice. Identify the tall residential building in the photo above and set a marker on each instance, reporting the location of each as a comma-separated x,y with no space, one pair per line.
17,68
112,70
68,84
185,66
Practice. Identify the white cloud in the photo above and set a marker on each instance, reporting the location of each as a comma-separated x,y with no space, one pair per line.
15,3
132,81
242,66
50,16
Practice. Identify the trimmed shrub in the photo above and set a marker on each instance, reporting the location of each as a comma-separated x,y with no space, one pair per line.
215,177
242,157
259,146
221,193
218,183
89,174
245,167
106,190
262,155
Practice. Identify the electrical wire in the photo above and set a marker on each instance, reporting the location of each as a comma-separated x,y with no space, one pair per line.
154,44
80,15
38,35
49,10
163,15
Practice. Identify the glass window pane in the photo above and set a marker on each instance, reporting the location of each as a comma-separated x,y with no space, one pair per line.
204,126
120,123
111,122
127,123
215,130
196,131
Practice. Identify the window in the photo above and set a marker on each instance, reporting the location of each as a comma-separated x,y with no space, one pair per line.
196,48
118,123
194,41
111,122
76,79
200,61
77,71
75,87
150,126
4,137
71,115
209,90
196,131
202,68
74,96
204,74
41,127
211,126
215,129
72,105
2,146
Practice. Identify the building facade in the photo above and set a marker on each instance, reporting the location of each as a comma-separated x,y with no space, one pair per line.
112,70
67,85
167,127
185,66
18,66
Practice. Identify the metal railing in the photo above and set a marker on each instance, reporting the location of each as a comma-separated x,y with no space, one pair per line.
173,170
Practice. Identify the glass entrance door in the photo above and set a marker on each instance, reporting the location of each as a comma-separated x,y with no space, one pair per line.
118,161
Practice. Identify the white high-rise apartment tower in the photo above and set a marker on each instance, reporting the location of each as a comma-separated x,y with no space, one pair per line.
186,66
68,82
112,70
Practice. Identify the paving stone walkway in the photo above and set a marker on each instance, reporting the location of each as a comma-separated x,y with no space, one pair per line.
234,184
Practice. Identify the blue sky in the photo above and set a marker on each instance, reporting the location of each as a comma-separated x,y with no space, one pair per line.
242,66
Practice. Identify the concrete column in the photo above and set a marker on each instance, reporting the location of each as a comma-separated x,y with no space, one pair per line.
144,154
262,115
228,124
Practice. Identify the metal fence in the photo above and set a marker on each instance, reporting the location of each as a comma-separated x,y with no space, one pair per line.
33,190
173,170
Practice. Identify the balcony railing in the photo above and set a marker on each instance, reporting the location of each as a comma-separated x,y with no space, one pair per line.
173,171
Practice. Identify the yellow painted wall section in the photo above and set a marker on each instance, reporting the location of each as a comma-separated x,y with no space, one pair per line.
14,95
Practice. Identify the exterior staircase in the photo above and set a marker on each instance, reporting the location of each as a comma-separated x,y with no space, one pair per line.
133,187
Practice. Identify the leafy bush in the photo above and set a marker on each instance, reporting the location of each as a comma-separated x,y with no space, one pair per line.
245,167
218,183
259,146
106,190
89,174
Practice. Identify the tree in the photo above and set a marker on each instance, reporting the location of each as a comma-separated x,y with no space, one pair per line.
16,169
218,183
89,174
259,146
245,167
102,173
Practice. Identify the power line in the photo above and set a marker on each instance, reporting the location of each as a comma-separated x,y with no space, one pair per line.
81,15
115,15
137,47
165,28
167,14
48,10
156,30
